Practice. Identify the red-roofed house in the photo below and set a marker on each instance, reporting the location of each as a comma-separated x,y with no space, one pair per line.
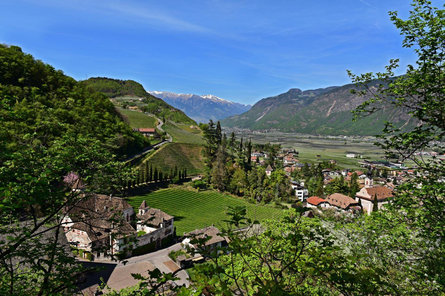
315,201
341,201
147,131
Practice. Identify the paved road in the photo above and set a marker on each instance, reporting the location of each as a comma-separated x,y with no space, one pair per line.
160,124
168,139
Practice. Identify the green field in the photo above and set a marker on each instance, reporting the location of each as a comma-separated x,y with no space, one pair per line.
193,210
182,155
183,133
138,119
320,148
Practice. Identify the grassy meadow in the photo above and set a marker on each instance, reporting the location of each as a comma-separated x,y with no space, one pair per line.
182,155
194,209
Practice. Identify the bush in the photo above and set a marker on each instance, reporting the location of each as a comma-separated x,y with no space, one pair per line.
199,184
175,254
89,256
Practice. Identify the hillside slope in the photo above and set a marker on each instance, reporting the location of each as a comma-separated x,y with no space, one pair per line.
129,90
202,108
42,105
180,155
324,111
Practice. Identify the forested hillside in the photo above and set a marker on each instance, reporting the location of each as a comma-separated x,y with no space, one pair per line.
40,104
56,136
114,88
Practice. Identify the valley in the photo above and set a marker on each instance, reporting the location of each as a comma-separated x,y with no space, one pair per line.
314,148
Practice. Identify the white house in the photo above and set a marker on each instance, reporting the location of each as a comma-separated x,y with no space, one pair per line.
367,196
300,191
269,170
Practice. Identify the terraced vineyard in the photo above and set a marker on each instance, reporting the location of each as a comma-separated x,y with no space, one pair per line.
183,133
181,155
138,119
194,210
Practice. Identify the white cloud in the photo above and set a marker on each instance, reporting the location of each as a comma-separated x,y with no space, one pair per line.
154,17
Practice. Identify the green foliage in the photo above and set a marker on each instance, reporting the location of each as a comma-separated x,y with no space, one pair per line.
338,185
141,233
175,254
54,132
199,184
419,204
229,168
41,102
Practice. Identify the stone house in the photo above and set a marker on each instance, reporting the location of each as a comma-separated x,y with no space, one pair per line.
106,225
153,226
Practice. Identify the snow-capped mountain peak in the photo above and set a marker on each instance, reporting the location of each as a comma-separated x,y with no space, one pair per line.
202,108
216,99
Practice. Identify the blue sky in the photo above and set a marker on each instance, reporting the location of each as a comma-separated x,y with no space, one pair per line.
238,50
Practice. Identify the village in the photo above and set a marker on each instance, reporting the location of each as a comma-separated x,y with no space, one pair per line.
104,229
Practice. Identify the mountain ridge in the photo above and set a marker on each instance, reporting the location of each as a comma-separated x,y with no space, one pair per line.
202,108
323,111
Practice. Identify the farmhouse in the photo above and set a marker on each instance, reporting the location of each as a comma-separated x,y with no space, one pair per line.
147,131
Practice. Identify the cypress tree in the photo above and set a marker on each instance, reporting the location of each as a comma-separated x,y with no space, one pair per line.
155,174
375,205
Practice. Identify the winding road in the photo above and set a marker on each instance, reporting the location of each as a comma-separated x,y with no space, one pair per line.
168,139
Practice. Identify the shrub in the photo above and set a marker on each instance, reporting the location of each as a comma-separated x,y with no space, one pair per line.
199,184
89,256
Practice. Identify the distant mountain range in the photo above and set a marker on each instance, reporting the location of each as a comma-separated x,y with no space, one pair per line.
202,108
324,111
